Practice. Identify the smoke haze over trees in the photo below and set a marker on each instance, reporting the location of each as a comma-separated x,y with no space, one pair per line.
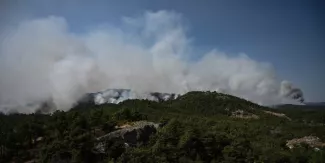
42,59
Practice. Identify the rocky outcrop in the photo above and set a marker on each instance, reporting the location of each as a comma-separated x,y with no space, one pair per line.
131,134
278,114
311,141
244,115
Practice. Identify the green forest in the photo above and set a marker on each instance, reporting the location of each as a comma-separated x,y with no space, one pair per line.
195,127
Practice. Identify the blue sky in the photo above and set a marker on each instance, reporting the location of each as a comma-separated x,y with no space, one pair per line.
288,34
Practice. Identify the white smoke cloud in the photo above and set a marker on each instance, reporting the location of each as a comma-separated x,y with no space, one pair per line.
41,59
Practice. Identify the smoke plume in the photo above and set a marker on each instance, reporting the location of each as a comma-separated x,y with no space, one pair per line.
288,90
42,59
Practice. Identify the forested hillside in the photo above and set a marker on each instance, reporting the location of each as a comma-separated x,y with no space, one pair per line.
312,114
196,127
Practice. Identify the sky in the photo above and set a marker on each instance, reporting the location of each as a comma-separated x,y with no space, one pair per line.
288,34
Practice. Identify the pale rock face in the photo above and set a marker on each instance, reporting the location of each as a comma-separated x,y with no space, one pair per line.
312,141
131,134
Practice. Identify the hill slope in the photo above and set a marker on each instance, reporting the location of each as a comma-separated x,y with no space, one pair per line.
195,127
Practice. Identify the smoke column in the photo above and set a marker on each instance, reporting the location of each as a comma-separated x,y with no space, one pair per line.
41,59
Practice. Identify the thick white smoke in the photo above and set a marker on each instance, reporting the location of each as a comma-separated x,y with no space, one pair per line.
41,59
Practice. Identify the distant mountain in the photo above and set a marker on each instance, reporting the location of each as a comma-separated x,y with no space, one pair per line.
210,103
315,103
306,105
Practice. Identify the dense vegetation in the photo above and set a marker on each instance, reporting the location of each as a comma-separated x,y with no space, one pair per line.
312,114
199,127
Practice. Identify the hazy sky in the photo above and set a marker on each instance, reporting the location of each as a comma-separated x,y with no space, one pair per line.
288,34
